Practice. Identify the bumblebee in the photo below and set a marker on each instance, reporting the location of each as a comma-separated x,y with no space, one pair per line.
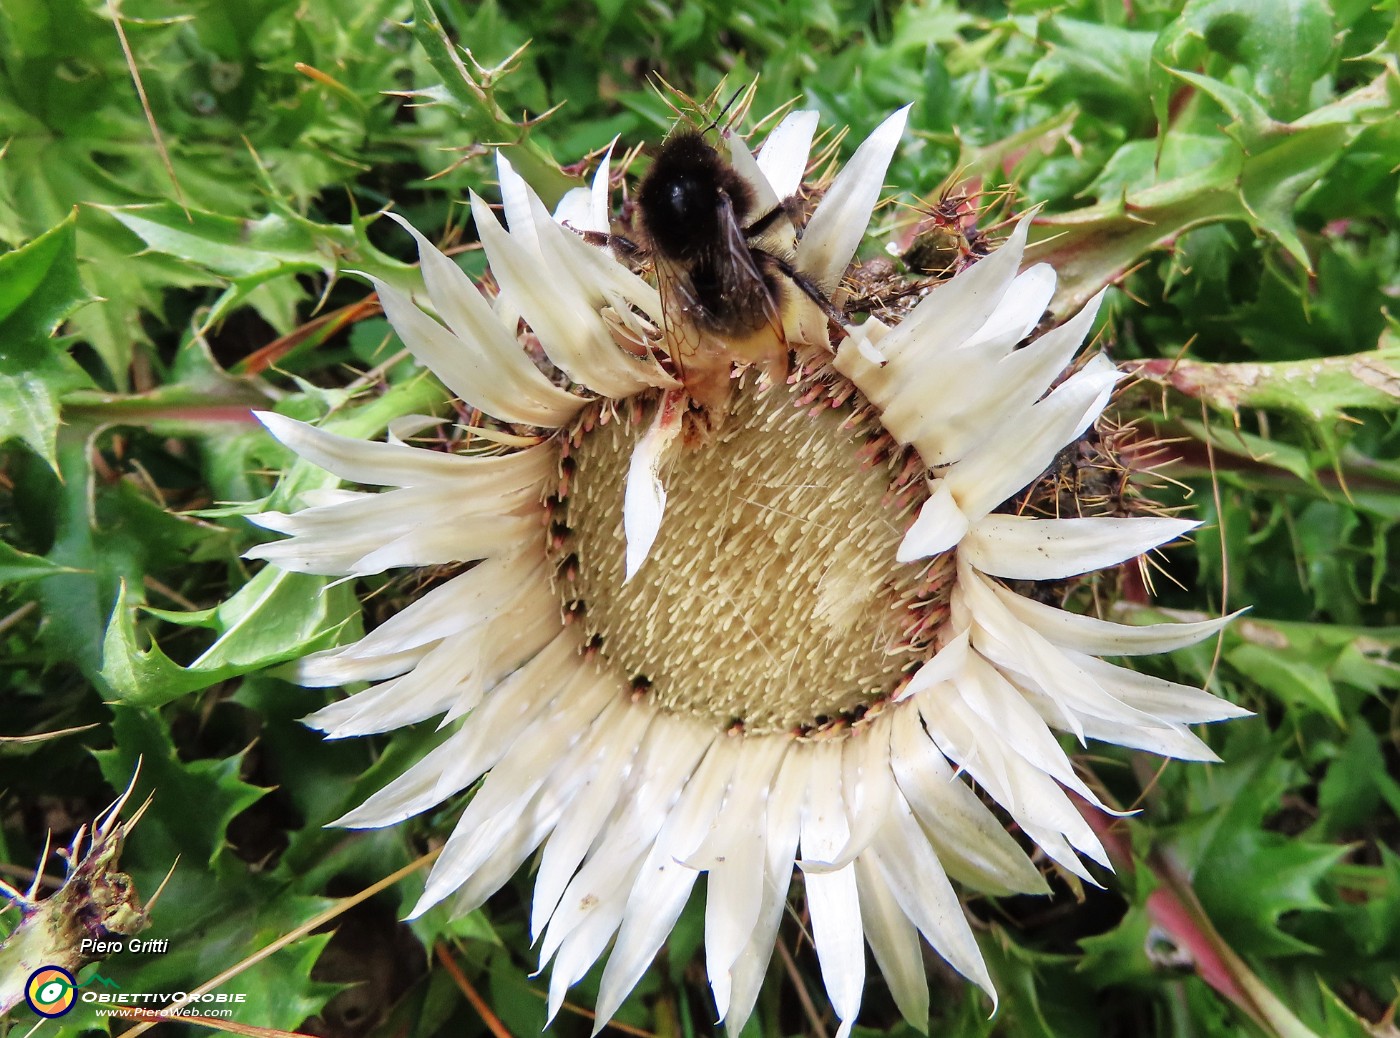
723,292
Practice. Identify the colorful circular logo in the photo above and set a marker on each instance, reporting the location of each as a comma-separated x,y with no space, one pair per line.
51,991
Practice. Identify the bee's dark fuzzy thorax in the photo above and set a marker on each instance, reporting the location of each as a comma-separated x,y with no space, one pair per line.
680,198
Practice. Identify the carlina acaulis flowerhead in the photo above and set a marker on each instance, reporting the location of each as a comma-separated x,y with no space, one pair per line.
755,560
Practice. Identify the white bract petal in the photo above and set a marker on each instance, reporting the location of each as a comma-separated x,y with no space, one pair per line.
1168,700
983,396
386,531
971,843
948,316
916,880
967,394
783,157
735,994
517,200
839,223
867,786
1019,451
765,198
941,524
485,343
564,312
493,830
644,502
894,941
734,854
594,782
832,898
1022,548
1103,637
505,390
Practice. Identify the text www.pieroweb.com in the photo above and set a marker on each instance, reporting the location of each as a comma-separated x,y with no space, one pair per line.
136,1004
131,1011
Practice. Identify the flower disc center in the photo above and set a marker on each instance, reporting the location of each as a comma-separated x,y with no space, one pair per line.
771,599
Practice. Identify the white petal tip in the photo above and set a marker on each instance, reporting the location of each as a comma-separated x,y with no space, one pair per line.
644,499
272,421
353,820
838,225
940,525
402,223
315,722
636,558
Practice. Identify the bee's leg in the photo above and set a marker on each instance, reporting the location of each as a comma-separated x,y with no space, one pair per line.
622,245
791,208
763,222
809,288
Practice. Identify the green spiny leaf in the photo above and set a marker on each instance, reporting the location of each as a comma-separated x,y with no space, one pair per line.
473,97
195,799
39,288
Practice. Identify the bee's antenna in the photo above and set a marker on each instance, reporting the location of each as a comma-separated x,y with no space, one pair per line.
746,88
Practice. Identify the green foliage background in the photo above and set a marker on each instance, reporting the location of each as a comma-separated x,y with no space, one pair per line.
1235,160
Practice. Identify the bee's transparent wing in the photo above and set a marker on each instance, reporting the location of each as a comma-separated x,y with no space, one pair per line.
681,313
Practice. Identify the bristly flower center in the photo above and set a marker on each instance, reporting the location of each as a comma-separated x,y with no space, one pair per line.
771,600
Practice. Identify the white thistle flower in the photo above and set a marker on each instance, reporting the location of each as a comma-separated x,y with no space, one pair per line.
774,643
